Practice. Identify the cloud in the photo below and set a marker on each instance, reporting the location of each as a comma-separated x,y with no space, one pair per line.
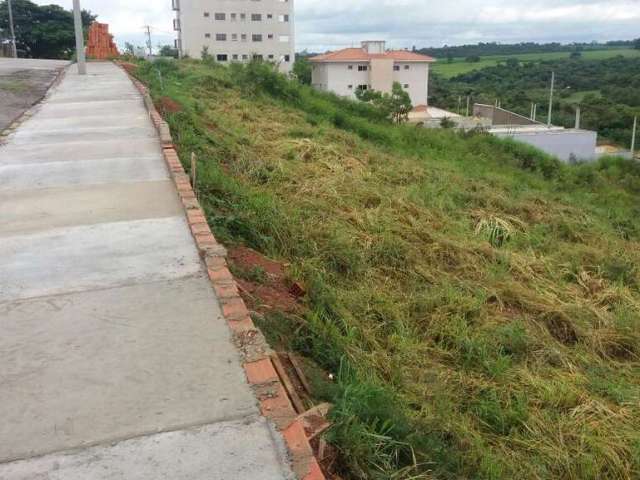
322,24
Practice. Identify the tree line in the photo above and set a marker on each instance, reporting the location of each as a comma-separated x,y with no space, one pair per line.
42,31
607,91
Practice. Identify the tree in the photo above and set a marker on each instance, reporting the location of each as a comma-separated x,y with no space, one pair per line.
302,70
168,51
575,55
43,31
636,44
396,105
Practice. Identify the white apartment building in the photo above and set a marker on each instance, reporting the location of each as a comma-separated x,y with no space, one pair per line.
372,67
237,30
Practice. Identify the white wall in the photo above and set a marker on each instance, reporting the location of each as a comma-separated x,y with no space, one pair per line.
416,77
194,27
563,144
337,77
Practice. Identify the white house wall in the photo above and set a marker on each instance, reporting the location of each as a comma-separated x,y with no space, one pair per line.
337,77
198,30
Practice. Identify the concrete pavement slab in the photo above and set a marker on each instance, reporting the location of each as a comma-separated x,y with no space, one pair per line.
83,172
134,119
76,109
31,211
214,452
99,366
96,256
86,134
79,150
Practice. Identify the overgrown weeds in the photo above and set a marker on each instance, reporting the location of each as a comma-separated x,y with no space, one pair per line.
476,300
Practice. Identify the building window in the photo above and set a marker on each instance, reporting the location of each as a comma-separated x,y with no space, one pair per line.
234,37
206,14
243,16
350,87
363,87
406,85
269,16
243,37
256,17
271,57
221,37
407,67
270,36
220,16
222,58
207,35
396,68
350,67
258,57
235,57
363,68
283,18
287,58
256,37
234,17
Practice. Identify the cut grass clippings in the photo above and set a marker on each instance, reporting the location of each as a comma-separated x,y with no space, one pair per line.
477,301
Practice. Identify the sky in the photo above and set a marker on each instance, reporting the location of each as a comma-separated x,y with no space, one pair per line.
324,25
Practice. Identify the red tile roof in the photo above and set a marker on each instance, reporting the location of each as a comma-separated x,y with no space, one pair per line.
361,55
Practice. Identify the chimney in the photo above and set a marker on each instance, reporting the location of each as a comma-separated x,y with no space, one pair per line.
374,47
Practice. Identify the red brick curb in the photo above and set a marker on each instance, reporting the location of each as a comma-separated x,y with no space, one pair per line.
259,369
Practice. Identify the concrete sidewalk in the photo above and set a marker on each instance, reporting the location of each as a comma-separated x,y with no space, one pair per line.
115,359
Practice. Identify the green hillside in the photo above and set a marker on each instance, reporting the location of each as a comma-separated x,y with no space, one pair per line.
461,66
477,301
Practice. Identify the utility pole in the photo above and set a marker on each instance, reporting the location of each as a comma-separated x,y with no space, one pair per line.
578,118
14,47
148,32
553,84
468,105
633,138
77,21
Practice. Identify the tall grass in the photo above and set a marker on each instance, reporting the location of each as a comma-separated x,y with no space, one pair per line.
477,301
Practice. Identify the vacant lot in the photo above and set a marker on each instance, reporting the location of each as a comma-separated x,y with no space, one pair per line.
23,83
477,302
460,66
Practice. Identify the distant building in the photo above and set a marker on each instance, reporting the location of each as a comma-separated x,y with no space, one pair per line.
372,67
567,144
237,30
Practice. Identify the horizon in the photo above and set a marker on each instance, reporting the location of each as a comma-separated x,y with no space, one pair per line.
321,27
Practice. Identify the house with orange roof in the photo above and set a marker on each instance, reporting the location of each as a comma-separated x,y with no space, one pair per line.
372,66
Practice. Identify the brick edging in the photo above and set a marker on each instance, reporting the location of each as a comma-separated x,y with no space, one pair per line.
258,366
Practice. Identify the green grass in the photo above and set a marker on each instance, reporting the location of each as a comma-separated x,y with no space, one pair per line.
477,301
460,66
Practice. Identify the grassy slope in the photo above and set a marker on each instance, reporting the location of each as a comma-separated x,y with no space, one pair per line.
479,302
459,66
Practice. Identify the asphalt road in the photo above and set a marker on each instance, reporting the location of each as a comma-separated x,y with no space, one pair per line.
24,82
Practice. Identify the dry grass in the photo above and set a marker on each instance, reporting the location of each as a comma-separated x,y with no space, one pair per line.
483,321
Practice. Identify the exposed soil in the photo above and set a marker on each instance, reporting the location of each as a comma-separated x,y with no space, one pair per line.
168,105
272,292
20,90
129,67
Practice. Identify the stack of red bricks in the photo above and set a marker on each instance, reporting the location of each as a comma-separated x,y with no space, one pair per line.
100,44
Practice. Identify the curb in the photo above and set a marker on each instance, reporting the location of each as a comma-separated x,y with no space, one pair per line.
261,374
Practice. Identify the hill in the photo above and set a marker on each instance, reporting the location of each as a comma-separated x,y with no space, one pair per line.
461,65
607,91
477,303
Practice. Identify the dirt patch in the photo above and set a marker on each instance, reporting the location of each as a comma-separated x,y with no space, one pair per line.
263,283
561,327
168,105
129,67
20,90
